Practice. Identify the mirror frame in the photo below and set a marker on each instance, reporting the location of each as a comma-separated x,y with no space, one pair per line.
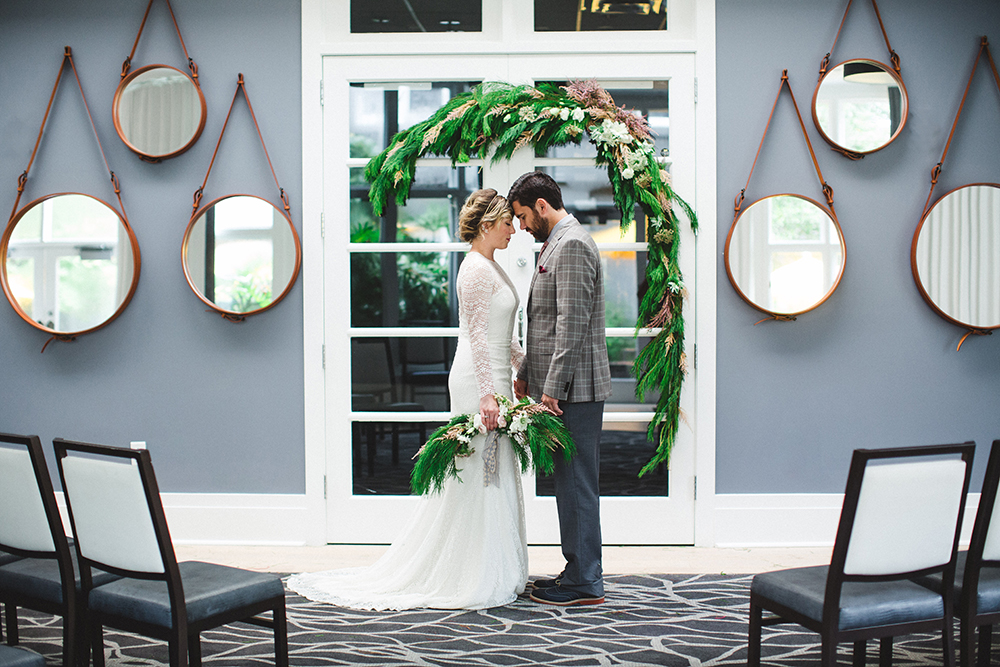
836,283
149,157
916,273
66,335
232,315
904,112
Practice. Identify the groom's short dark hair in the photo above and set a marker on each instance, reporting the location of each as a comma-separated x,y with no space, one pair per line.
535,185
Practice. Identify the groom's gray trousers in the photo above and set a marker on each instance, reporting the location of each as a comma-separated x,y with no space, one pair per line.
578,498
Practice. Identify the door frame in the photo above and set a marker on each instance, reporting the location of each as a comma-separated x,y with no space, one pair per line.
323,35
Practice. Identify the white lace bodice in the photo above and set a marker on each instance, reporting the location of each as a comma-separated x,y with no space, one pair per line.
487,312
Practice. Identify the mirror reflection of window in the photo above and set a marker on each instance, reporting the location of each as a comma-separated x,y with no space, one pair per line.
785,254
69,262
241,254
958,255
859,106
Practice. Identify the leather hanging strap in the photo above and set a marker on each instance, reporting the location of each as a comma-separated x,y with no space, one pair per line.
23,178
936,171
240,85
128,61
827,190
893,57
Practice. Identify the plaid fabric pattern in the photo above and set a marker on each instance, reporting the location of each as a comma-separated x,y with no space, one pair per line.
567,354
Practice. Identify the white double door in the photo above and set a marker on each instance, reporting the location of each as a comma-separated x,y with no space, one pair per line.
663,515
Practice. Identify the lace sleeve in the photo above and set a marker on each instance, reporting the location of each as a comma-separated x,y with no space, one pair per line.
516,352
475,294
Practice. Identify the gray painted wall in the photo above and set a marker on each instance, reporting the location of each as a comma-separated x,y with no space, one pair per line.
219,404
873,366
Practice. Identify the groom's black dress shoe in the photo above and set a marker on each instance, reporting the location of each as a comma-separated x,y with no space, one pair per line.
563,597
547,583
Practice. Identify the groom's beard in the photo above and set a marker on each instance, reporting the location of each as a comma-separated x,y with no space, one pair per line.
537,228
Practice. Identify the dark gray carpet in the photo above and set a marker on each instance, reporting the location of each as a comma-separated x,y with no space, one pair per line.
682,620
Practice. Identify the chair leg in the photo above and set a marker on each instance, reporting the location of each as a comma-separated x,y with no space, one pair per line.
860,647
948,642
395,444
371,449
280,636
985,645
828,652
194,650
885,652
11,615
70,635
178,644
753,640
96,643
966,643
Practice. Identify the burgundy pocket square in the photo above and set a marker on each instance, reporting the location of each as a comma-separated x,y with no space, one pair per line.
542,269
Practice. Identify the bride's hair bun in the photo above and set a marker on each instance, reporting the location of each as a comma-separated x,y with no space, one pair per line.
481,211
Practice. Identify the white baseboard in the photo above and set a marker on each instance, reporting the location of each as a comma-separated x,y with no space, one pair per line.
791,519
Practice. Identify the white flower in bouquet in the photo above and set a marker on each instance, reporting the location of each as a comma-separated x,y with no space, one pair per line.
578,114
477,422
518,424
627,173
611,132
564,113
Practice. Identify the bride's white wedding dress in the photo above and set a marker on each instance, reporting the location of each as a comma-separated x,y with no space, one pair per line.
464,548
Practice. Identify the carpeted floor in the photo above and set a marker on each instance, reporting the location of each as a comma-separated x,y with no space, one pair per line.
681,620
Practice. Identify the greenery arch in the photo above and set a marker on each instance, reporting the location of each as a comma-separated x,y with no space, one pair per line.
500,118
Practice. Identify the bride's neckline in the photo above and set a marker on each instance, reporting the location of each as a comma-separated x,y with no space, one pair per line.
483,256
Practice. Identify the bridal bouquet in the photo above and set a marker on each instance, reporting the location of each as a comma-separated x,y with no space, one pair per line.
534,431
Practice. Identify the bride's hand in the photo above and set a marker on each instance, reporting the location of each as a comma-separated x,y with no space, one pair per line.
489,411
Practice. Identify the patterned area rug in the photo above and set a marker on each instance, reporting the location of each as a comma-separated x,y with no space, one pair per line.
682,620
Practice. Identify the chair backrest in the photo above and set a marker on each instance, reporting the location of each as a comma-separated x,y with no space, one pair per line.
985,542
902,511
115,508
29,516
372,370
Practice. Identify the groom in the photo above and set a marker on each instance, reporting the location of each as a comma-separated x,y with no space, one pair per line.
567,370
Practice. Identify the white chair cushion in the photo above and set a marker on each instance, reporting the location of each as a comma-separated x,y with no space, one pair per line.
907,516
23,523
110,513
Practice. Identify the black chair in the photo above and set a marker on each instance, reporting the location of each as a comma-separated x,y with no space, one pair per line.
17,657
426,364
901,518
978,570
120,527
38,569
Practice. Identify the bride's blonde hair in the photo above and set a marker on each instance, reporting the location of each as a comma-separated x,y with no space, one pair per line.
482,211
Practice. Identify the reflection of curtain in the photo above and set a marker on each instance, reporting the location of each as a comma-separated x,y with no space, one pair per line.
159,114
895,109
958,255
283,247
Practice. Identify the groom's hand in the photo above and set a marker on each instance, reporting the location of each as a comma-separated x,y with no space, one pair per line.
520,389
552,404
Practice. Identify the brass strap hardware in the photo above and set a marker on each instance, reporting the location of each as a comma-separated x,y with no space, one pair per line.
984,47
128,61
240,85
23,178
893,57
827,190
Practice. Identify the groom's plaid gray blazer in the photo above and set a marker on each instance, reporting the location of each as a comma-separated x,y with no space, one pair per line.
566,347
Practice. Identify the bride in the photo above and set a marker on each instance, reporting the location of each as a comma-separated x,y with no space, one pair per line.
465,547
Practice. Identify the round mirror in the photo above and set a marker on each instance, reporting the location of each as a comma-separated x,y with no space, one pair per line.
785,254
860,106
159,111
71,263
956,256
241,255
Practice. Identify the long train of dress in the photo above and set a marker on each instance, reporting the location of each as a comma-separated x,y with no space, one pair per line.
464,548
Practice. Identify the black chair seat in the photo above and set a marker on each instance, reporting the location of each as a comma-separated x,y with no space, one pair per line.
988,601
862,605
16,657
7,558
39,578
209,589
